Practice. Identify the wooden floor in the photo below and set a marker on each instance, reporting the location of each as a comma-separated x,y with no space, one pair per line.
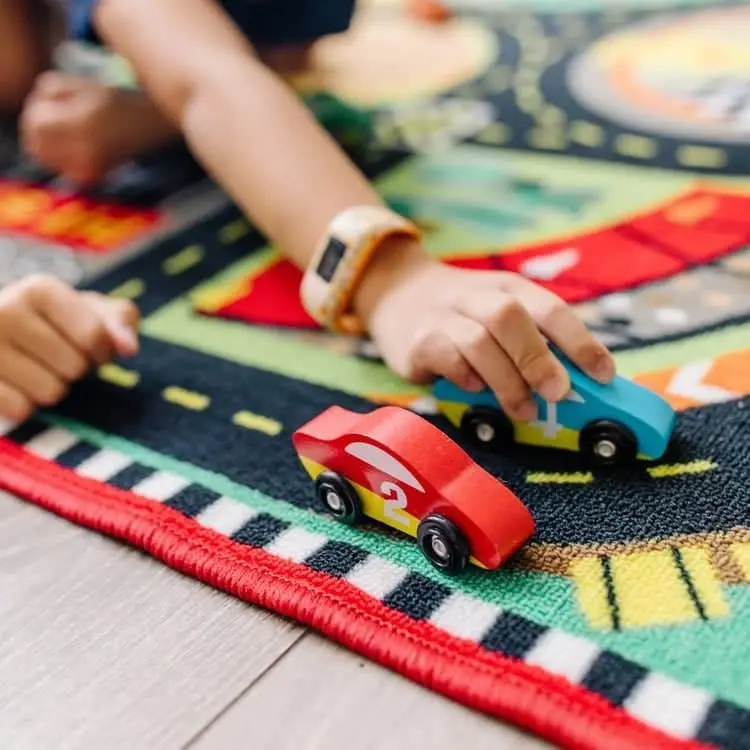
103,648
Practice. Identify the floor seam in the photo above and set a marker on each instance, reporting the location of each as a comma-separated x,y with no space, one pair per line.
253,682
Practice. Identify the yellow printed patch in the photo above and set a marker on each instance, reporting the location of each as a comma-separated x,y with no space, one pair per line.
559,477
119,375
497,133
233,232
251,421
701,156
646,589
184,260
592,592
586,133
187,399
131,289
547,138
741,552
699,466
697,562
637,146
453,411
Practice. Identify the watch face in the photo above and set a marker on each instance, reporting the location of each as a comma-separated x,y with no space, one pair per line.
330,259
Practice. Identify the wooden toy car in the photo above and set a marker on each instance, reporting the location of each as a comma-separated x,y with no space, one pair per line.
394,466
612,424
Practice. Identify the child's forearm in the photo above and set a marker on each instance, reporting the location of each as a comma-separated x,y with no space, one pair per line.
242,122
274,159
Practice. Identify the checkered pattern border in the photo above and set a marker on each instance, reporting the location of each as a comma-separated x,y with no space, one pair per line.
560,686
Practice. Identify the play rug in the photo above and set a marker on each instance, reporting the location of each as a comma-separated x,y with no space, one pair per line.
600,151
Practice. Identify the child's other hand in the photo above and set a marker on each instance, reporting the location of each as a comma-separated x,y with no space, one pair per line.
51,335
475,328
68,124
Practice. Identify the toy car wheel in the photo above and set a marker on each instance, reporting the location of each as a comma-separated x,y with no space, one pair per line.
443,544
488,427
338,497
608,443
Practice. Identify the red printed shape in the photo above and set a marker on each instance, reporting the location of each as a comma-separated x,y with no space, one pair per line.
700,227
272,299
600,262
478,263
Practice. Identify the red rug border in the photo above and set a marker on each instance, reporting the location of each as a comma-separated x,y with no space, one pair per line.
547,705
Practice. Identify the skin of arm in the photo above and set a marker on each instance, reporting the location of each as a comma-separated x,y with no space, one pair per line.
241,121
264,147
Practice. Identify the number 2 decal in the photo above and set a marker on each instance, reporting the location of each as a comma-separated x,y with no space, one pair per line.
394,500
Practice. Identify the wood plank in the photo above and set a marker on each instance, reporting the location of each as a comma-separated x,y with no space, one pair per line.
103,647
320,696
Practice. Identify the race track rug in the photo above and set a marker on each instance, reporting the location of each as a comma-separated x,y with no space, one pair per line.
598,149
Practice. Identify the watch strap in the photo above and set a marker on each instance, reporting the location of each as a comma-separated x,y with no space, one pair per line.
341,259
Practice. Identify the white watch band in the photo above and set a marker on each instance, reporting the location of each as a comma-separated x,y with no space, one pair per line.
342,257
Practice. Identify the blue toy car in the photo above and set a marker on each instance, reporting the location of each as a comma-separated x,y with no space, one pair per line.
612,424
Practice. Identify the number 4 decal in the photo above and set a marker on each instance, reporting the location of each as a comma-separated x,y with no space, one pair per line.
394,500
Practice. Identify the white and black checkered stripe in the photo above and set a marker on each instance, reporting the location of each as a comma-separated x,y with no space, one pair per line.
655,699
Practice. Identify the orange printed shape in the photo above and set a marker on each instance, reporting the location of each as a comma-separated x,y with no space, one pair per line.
78,222
731,372
690,385
93,226
659,382
21,205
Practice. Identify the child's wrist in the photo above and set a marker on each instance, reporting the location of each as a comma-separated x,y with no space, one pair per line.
399,258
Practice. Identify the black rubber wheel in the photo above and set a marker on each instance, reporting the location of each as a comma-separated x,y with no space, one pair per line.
443,544
487,427
608,443
337,497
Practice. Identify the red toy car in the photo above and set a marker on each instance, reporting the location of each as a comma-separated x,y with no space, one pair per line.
396,467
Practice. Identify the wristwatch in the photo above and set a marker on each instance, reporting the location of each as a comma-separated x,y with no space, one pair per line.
342,256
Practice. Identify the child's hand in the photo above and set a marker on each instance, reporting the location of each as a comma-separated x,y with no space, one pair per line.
66,126
475,328
81,129
50,335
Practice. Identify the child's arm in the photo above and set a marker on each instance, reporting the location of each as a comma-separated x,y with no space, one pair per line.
264,147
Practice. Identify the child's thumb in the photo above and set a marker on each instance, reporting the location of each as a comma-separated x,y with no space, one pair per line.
120,319
122,325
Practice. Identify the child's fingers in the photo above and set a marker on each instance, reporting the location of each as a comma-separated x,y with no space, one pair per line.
31,379
509,323
436,354
65,309
39,341
482,351
14,405
120,318
558,321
